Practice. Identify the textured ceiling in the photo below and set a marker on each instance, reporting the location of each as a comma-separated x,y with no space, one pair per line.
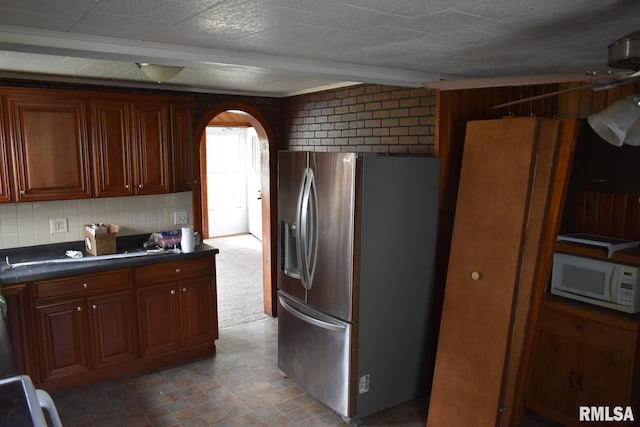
285,47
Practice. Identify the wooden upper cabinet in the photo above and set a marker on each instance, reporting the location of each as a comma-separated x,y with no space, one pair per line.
50,146
112,150
151,141
181,147
5,189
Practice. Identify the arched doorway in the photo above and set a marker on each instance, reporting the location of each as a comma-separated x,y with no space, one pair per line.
266,140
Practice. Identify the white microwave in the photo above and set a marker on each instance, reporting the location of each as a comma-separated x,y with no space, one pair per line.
602,283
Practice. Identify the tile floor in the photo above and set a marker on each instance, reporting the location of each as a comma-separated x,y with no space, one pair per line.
239,386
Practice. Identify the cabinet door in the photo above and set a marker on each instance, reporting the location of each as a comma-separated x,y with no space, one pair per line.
112,148
159,318
19,327
554,376
150,133
5,192
61,330
50,146
604,379
198,319
181,147
112,325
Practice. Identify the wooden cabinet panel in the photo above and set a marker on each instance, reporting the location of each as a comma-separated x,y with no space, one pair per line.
176,305
82,285
112,148
198,320
50,147
554,373
182,147
5,177
150,137
604,378
159,319
173,271
112,325
491,211
61,330
572,368
19,327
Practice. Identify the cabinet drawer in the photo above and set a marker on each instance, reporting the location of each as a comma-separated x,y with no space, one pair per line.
80,285
588,331
172,271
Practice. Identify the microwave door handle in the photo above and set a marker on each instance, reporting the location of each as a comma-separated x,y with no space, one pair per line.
613,289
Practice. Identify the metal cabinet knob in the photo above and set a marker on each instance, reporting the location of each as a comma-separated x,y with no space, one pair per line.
140,185
578,328
178,270
173,291
22,192
475,275
127,186
184,289
79,308
95,307
84,285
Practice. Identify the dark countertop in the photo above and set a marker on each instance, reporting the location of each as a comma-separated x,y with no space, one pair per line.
58,250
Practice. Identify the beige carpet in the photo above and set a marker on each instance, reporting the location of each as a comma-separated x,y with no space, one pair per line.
239,280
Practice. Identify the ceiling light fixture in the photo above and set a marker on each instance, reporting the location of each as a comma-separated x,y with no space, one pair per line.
159,73
619,124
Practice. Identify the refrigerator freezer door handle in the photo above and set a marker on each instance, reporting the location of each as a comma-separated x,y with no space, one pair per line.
311,320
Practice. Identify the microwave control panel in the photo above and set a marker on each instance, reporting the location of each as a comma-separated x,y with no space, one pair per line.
626,285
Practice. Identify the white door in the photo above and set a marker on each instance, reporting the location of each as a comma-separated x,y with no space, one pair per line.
254,185
226,181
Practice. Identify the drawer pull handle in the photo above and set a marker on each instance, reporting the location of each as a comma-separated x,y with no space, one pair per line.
95,307
173,291
79,308
178,270
475,275
84,285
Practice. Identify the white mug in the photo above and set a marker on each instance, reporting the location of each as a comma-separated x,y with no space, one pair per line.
187,242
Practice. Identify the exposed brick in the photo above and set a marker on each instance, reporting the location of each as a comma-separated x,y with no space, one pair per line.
410,102
409,121
400,112
364,115
399,131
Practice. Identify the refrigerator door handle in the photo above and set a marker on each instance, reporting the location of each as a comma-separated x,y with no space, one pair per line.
308,228
335,327
311,240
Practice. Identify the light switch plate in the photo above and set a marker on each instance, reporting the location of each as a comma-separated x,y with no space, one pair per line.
180,218
58,225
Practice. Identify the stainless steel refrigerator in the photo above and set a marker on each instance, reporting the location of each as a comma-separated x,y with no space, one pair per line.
357,239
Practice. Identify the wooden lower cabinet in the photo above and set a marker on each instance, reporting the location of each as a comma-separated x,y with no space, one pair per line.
181,311
94,327
583,357
84,322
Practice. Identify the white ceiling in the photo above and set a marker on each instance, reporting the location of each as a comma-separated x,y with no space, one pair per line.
286,47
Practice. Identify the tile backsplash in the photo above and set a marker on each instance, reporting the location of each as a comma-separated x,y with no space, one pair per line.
28,224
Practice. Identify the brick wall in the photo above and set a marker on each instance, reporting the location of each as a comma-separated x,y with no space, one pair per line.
361,118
